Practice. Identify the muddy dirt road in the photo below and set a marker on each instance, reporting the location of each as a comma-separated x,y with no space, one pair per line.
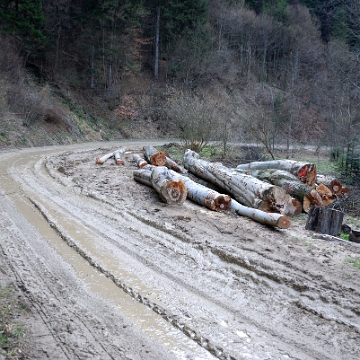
113,273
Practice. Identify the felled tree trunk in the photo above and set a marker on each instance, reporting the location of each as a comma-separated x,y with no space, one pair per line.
305,172
118,154
101,160
154,157
285,180
246,189
262,217
171,164
170,191
203,195
140,161
324,220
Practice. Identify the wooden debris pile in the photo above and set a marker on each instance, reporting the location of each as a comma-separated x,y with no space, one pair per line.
267,192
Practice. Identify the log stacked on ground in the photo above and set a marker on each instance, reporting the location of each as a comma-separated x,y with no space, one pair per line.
305,172
154,157
203,195
102,159
118,155
170,191
140,161
284,179
262,217
246,189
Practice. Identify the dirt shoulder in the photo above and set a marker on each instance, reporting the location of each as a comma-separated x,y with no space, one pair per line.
214,285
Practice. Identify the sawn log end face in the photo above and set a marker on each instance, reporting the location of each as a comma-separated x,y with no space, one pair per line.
158,159
175,192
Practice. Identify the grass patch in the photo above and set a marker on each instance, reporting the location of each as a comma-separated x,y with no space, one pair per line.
11,331
344,236
355,262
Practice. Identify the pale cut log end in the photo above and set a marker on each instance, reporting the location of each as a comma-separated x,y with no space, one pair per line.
219,203
284,222
174,192
158,159
98,161
335,186
120,162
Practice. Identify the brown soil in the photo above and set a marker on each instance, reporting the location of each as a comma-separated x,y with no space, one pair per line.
110,272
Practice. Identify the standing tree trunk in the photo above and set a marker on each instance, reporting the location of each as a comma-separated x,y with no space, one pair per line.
246,189
157,44
170,191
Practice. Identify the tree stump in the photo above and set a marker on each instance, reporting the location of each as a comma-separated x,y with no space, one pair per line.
324,220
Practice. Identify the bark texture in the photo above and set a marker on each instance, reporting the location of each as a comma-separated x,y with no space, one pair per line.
304,172
102,159
118,155
324,220
140,161
203,195
170,191
154,157
262,217
246,189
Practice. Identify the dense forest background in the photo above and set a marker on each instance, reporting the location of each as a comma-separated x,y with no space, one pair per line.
268,71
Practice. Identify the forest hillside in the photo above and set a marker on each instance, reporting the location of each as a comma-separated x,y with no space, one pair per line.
266,71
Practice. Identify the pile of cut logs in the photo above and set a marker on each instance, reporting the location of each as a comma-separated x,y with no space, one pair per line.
267,192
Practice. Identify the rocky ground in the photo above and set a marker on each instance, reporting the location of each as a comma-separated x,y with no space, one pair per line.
108,271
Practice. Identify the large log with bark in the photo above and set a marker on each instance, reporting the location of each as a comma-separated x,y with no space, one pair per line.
324,220
154,157
304,172
262,217
284,179
203,195
246,189
170,191
171,164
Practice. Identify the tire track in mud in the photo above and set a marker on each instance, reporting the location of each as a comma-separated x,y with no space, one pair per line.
49,289
263,273
245,271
